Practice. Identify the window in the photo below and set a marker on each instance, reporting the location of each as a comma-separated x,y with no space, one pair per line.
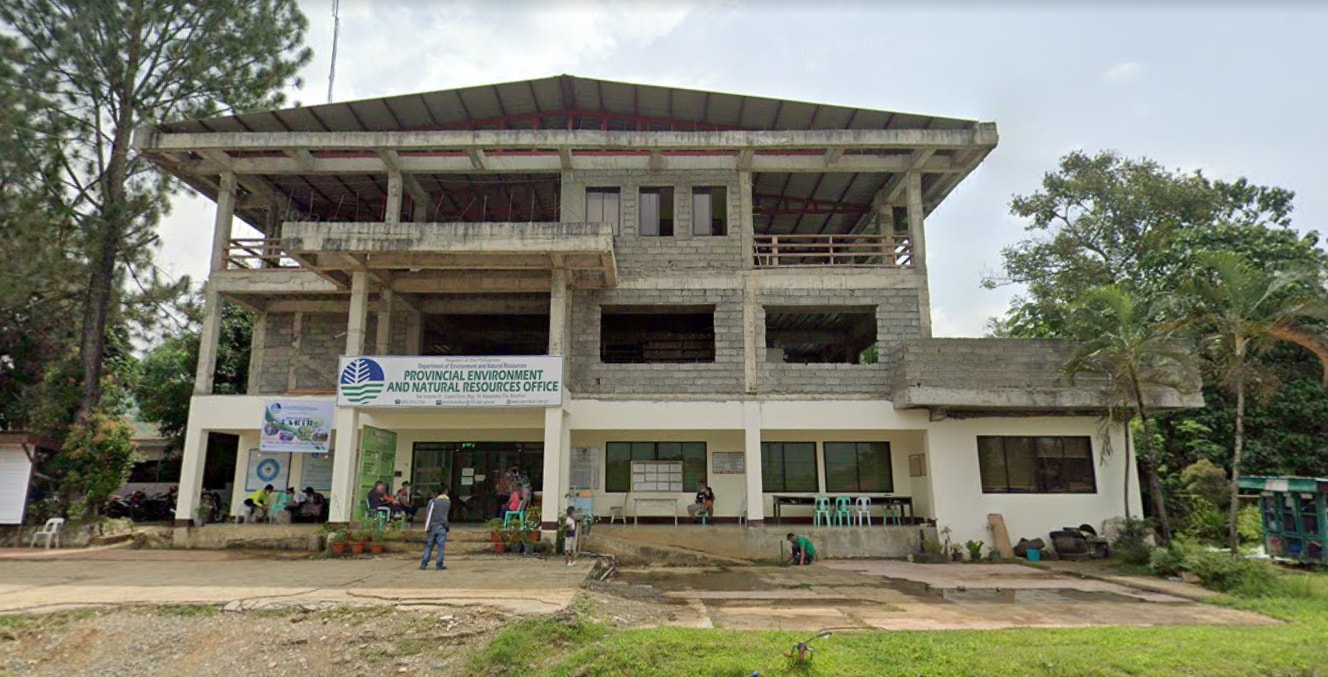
858,467
656,212
603,206
655,334
820,335
1036,465
789,466
618,457
710,211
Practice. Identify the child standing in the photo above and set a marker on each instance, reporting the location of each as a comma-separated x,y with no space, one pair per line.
569,538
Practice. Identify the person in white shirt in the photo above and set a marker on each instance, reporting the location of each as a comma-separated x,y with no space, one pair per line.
569,537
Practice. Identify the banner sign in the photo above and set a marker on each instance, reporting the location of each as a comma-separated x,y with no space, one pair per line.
300,426
265,469
412,381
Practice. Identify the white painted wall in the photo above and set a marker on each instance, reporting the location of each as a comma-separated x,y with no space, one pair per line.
957,486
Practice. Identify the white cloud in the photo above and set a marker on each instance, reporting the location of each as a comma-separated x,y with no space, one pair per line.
1126,71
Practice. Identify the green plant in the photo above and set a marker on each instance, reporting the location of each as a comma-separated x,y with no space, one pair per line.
337,535
1249,524
1133,542
932,547
974,550
1238,575
1205,479
1171,560
360,535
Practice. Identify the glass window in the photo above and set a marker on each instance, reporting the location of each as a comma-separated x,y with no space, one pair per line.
789,466
710,211
1043,465
655,217
852,467
603,205
618,457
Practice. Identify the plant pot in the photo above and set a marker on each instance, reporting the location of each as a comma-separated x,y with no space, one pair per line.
496,538
357,548
499,547
376,548
339,548
533,537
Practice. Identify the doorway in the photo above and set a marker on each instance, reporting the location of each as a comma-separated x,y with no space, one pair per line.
472,470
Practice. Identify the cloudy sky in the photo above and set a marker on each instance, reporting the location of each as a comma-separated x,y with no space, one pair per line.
1233,88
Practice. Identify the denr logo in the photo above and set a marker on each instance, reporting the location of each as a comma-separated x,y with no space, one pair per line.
361,380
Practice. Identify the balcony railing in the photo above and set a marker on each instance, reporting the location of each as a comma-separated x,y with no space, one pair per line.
258,253
868,251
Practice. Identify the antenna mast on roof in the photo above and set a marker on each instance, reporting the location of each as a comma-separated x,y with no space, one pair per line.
336,33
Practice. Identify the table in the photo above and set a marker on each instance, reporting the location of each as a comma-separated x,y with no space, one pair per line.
672,503
904,503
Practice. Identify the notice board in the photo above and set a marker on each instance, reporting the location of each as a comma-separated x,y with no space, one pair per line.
728,463
657,476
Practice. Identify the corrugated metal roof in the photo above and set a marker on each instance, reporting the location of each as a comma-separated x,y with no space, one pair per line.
493,106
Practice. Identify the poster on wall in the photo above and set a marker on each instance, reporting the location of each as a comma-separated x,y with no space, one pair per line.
378,461
300,426
728,463
267,468
15,472
407,381
316,472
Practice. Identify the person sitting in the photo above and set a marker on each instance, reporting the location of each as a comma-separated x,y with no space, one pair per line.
311,509
803,550
282,503
403,503
705,502
379,500
255,506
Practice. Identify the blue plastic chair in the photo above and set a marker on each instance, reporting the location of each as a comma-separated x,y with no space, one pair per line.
843,512
821,510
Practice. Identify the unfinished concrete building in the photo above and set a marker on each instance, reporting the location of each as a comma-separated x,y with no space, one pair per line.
623,290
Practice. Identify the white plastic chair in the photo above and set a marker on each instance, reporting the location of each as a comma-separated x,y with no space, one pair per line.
619,512
49,532
863,512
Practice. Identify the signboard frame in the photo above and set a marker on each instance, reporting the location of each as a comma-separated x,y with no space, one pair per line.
386,381
297,426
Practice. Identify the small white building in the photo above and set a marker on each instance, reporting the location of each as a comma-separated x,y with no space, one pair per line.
621,290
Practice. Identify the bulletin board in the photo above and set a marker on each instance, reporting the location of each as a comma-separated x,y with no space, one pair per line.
657,476
728,463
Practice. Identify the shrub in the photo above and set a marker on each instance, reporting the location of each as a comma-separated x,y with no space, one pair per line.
1134,540
1204,521
1224,572
1249,524
1204,480
1171,560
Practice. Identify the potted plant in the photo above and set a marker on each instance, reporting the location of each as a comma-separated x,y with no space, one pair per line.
533,517
974,550
376,541
336,541
933,552
358,538
495,527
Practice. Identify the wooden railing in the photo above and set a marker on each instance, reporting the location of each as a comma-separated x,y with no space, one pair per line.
876,251
258,253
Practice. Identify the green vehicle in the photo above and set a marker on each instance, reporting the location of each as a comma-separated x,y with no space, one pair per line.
1295,516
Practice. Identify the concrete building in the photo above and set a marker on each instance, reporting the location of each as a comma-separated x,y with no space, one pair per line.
670,286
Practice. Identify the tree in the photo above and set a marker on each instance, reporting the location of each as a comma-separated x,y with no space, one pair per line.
1244,311
1103,219
1125,338
103,68
166,373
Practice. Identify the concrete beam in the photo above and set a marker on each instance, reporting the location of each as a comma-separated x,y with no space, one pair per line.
272,282
477,159
983,134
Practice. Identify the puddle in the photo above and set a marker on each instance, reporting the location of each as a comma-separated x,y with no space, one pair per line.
717,580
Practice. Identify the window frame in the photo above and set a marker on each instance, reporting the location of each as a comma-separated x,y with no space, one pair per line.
603,191
662,192
649,451
857,448
783,488
1044,477
710,227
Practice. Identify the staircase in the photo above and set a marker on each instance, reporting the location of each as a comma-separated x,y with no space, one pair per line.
463,539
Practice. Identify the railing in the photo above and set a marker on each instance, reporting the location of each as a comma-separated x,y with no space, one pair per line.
875,251
258,254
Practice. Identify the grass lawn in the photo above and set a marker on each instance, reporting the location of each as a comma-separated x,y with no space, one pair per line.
584,648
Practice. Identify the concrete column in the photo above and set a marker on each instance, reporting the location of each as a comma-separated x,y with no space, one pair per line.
393,209
420,211
257,345
751,427
919,238
751,335
345,464
414,332
557,461
210,333
191,467
383,337
358,316
746,222
559,314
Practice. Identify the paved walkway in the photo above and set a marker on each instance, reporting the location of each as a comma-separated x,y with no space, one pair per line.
516,585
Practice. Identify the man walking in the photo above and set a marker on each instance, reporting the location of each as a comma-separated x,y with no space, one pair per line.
436,528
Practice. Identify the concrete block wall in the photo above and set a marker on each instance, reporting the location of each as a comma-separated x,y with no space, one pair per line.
639,256
984,363
278,351
588,376
897,320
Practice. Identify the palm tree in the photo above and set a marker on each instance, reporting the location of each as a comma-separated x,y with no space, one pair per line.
1243,311
1124,337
